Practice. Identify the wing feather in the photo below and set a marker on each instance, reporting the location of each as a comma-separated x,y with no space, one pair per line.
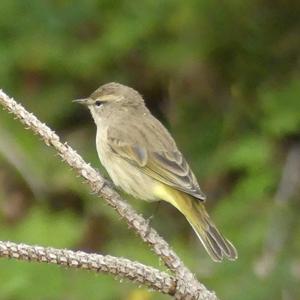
168,167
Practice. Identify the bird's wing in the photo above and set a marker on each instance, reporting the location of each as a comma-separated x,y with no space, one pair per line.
168,167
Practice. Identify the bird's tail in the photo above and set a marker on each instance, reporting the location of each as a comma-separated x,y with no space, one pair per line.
213,241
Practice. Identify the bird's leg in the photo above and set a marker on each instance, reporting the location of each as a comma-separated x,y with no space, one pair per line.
148,220
108,183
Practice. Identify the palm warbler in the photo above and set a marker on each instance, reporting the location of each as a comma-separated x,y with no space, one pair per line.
142,158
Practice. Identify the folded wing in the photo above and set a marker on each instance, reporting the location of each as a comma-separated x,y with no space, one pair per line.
168,167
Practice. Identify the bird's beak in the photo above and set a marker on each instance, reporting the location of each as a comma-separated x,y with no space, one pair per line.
85,101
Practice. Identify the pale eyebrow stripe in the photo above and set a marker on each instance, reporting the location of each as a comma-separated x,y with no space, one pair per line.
109,98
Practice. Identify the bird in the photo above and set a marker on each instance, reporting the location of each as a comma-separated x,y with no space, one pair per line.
142,159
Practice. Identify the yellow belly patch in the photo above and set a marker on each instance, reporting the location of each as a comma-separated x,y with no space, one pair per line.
166,193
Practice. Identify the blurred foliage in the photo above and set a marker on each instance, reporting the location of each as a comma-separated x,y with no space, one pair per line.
223,77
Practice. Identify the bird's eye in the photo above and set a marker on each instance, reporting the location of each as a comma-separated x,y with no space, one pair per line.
98,103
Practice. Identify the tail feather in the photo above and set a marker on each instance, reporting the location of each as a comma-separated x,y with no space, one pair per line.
216,245
229,250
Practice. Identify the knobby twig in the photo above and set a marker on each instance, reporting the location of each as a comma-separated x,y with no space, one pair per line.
120,267
187,285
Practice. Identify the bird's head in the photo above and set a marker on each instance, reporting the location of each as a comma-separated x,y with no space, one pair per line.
111,97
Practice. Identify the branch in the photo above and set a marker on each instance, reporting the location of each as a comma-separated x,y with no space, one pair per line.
121,267
187,285
283,214
290,179
13,154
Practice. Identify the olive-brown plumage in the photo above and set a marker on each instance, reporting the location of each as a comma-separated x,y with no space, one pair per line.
142,158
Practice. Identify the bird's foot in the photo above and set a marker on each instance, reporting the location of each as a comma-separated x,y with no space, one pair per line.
108,183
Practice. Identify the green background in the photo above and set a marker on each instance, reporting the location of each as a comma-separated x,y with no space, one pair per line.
223,76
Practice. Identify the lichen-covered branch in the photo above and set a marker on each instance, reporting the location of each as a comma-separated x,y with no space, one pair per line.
187,285
121,267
